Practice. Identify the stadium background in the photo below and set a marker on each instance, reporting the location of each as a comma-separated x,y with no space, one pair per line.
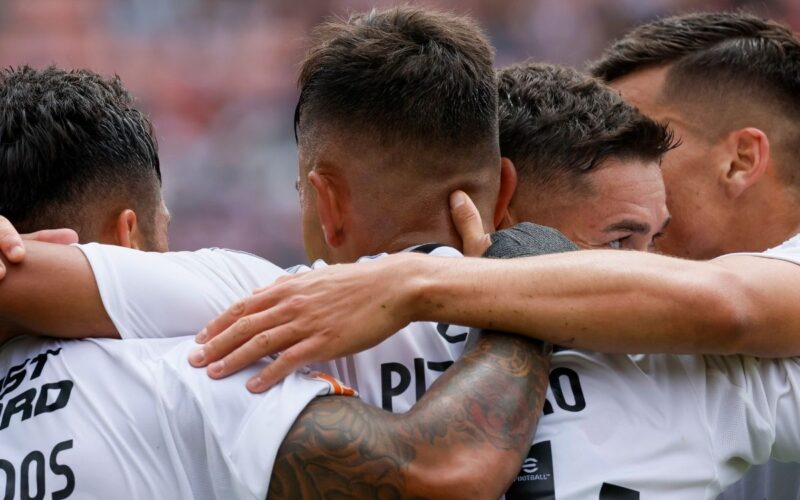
218,79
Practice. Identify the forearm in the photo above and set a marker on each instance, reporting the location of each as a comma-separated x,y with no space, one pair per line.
52,292
463,438
605,301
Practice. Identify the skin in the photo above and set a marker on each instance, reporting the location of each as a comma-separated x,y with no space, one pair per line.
624,208
708,218
439,449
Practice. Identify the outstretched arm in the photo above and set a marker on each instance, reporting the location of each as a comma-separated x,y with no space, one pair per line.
52,292
466,437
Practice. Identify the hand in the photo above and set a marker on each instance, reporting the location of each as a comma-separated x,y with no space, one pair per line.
13,248
468,223
315,316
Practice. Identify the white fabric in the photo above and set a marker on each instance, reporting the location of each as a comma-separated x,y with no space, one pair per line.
667,427
132,420
773,480
151,294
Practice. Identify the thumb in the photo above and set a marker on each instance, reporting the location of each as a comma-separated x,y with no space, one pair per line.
467,221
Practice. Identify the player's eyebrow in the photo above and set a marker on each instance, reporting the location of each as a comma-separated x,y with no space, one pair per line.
635,226
631,225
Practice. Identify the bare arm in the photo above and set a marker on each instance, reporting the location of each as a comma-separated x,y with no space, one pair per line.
52,292
616,301
466,438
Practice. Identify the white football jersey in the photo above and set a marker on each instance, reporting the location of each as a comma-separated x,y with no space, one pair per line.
773,480
177,293
106,419
614,426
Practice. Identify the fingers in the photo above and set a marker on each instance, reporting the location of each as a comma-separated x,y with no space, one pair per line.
252,331
10,243
59,236
290,360
467,221
272,341
257,302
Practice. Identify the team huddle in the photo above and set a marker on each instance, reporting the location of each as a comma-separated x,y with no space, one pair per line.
485,335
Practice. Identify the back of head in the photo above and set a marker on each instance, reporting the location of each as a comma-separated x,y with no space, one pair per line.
557,124
726,70
407,90
73,149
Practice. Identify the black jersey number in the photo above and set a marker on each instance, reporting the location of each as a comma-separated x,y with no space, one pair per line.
31,475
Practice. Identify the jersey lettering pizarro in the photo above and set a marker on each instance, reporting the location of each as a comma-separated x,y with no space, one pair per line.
132,420
614,426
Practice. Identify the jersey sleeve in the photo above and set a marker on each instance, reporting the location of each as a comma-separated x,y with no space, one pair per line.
172,294
228,437
752,411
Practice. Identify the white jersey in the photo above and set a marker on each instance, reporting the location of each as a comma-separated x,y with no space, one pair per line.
177,293
614,426
103,419
773,480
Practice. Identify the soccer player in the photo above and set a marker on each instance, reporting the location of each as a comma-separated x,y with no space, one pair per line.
587,163
103,418
53,170
728,86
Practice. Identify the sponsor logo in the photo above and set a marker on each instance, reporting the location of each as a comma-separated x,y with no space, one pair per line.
530,465
535,479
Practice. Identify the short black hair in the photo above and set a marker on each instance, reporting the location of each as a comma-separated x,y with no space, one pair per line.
69,140
725,62
557,124
411,78
758,47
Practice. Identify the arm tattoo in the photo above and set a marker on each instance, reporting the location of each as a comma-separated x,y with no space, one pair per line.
486,405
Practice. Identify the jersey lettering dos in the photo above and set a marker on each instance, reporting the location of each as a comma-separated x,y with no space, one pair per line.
131,420
614,426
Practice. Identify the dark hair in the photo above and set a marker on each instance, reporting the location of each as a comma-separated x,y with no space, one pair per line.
557,124
757,47
405,77
726,62
70,140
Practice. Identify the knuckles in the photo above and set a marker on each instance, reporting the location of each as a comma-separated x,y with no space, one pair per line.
238,308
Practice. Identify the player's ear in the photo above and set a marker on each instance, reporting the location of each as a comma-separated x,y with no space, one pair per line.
126,231
749,154
508,185
330,206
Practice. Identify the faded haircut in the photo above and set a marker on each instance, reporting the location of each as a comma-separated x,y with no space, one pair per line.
416,82
70,140
727,62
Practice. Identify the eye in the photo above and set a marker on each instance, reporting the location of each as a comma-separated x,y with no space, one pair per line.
615,244
297,184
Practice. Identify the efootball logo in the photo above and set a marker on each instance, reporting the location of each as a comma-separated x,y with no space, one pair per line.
530,465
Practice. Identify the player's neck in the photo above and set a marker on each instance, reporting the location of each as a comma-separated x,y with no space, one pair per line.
406,239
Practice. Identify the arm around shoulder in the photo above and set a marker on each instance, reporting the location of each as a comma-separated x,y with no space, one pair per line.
53,292
463,439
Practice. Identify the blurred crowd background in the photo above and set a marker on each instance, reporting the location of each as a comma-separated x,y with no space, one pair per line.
217,77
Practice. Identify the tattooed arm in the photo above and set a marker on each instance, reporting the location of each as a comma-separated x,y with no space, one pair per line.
466,437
